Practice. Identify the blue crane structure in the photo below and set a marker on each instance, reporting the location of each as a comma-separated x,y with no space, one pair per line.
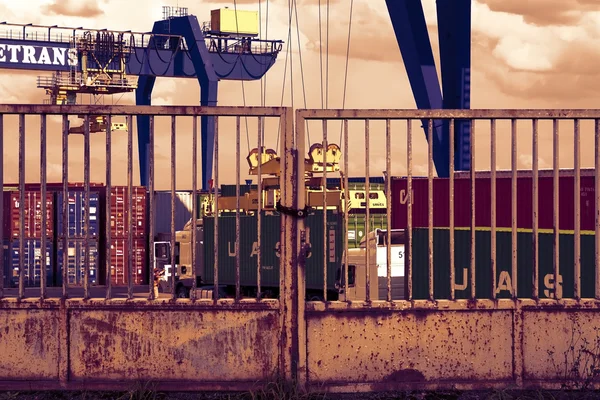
98,62
178,46
454,32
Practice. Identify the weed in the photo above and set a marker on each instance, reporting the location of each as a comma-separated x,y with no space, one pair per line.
580,366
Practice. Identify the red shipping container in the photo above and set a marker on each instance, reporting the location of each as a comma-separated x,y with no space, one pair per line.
33,215
119,262
119,203
462,201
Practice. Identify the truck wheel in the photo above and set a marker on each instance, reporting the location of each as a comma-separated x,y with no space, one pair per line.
183,292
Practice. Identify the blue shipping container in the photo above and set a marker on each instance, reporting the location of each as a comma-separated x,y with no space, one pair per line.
6,264
76,214
33,263
76,262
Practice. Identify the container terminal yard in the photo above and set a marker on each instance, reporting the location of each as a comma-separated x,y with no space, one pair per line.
325,238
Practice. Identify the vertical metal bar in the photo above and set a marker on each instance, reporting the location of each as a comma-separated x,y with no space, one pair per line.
86,185
295,232
22,206
2,222
194,203
237,209
173,187
451,212
107,195
216,212
43,178
388,190
430,208
409,163
555,203
346,208
259,208
368,213
493,206
152,211
325,233
473,227
65,203
577,216
513,204
534,207
129,207
596,202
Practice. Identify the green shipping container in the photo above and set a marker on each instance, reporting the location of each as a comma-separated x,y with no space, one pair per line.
483,274
357,229
270,249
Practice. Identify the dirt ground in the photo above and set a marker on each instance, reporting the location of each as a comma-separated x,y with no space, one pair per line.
279,395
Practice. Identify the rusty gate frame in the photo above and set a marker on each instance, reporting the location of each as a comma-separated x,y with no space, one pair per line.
64,307
291,313
432,307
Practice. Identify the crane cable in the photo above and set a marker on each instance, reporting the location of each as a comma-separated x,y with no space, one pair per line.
301,65
347,59
237,28
321,54
288,54
263,78
327,60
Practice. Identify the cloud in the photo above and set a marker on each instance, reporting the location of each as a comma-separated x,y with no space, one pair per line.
545,12
73,8
372,36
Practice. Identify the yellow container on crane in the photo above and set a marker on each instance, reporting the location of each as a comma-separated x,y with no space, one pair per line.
234,22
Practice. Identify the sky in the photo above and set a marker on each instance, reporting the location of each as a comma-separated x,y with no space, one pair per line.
525,54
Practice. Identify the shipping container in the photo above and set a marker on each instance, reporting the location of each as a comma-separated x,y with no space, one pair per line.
33,261
76,262
119,203
119,262
270,249
547,286
356,183
6,264
230,190
357,228
184,204
462,202
76,214
33,215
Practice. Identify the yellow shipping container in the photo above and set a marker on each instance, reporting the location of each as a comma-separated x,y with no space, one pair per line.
224,20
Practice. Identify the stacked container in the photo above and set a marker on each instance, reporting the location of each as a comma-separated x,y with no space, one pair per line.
119,232
76,237
34,258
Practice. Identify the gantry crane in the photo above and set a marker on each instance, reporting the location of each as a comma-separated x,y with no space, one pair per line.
100,61
454,32
179,47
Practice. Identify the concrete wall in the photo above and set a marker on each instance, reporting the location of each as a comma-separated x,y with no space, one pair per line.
183,346
178,347
449,345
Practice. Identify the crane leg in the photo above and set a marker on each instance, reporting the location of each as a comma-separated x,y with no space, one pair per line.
408,21
189,28
143,96
454,30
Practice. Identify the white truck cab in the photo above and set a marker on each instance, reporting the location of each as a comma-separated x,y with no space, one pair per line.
183,259
357,267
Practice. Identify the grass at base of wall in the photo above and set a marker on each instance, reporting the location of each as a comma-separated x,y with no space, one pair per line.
275,392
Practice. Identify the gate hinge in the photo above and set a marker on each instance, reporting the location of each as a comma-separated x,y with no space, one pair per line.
291,211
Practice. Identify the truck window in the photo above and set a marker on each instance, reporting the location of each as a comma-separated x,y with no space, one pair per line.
340,275
161,251
351,275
